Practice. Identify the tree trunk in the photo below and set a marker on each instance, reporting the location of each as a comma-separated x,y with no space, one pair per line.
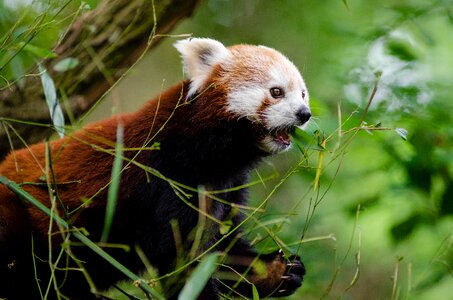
106,41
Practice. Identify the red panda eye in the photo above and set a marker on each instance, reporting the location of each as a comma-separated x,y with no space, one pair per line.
276,92
303,94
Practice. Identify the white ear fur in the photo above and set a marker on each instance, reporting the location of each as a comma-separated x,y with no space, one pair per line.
199,56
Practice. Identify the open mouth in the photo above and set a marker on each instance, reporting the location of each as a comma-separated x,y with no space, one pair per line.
282,136
274,139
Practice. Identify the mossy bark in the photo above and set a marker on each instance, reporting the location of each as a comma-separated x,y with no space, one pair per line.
106,41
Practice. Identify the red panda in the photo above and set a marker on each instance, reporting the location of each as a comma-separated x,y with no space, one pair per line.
239,105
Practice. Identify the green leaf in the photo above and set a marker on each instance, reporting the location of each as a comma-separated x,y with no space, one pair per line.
401,49
302,136
306,140
225,227
402,133
114,186
377,125
405,228
256,296
156,146
378,74
17,68
66,64
199,277
259,268
37,51
345,2
56,113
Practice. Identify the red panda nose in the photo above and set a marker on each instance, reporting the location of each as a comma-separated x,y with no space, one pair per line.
303,114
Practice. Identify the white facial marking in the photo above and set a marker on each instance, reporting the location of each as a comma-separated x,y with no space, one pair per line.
253,72
249,73
246,101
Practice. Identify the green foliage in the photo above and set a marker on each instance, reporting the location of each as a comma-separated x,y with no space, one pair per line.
404,185
402,133
66,64
200,276
29,30
114,186
391,156
56,113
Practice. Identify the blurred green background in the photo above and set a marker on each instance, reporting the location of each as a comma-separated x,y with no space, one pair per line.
380,224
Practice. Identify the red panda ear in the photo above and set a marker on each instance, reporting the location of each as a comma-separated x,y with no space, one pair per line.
199,56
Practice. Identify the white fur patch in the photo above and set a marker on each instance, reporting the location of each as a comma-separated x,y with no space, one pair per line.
199,56
248,74
245,101
252,77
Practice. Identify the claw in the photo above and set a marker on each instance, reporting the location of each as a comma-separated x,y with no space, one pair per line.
286,277
294,263
282,291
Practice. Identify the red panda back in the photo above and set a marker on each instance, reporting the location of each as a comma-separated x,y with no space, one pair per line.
82,161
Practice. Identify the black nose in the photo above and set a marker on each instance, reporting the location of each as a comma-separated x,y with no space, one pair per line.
303,114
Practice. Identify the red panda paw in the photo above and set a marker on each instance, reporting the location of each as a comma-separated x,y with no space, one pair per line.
273,275
292,279
283,275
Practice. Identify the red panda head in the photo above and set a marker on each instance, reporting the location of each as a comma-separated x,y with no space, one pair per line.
262,86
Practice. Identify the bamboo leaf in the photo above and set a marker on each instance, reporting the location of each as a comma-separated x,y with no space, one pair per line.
319,167
255,294
199,277
402,133
306,140
66,64
401,49
114,184
345,2
37,51
225,227
56,113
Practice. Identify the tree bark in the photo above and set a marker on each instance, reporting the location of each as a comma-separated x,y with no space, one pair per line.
106,41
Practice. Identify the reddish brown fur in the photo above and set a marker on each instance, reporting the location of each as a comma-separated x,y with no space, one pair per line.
90,146
82,163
